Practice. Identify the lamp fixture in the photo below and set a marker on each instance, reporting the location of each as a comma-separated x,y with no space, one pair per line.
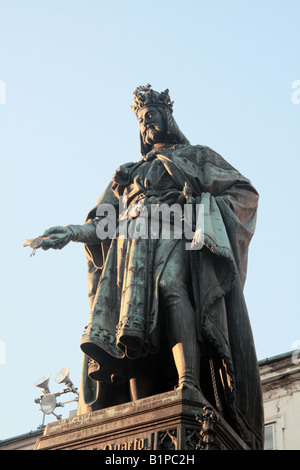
48,401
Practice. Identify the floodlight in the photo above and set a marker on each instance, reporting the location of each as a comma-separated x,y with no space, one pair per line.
48,403
43,383
63,377
48,400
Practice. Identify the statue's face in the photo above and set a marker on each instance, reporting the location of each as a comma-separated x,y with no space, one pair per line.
152,126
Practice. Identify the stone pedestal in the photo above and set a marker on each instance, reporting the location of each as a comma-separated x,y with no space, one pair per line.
177,420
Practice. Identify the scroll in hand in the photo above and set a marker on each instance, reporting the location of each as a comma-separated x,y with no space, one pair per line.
55,238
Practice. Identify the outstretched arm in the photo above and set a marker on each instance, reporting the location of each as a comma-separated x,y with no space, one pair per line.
58,237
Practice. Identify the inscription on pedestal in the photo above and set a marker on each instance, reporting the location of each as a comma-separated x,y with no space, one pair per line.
137,444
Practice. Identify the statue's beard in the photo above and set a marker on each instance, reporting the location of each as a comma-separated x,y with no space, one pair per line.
154,135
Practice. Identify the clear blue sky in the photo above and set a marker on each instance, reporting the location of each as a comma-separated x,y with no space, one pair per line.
69,69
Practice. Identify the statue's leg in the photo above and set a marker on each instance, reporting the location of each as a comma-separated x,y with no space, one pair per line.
141,378
180,319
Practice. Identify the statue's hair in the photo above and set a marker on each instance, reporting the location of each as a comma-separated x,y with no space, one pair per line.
175,136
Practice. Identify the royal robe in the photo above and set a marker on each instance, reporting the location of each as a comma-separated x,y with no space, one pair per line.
230,377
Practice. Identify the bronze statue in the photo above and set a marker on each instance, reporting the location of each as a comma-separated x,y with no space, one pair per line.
165,313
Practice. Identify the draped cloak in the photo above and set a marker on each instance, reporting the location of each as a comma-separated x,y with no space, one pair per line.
218,274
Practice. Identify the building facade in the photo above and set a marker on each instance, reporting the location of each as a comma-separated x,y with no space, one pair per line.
280,378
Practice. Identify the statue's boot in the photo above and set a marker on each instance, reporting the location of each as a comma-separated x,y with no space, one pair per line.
181,332
186,353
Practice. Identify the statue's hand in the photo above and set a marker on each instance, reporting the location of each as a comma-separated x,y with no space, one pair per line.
56,238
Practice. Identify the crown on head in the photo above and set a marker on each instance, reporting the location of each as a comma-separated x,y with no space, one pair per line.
145,96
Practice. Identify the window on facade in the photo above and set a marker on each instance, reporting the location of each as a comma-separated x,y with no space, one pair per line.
269,437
